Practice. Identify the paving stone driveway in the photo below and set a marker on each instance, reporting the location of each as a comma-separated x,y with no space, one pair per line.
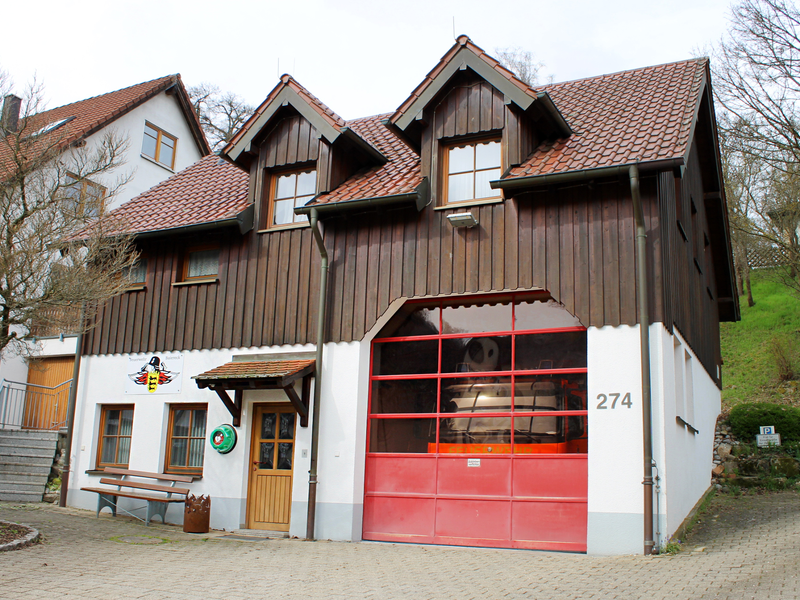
743,548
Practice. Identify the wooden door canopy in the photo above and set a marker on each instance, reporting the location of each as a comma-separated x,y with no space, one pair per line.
260,375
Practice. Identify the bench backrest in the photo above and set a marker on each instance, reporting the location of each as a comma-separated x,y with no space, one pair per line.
160,476
141,485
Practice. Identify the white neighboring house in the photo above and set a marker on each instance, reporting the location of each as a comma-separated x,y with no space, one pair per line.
163,137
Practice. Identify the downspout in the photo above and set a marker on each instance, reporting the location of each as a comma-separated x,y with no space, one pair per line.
323,283
73,396
644,336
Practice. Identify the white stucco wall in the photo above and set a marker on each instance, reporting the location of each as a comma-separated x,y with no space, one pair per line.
616,469
681,387
164,112
225,477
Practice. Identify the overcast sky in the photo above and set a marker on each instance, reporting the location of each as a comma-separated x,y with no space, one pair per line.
359,57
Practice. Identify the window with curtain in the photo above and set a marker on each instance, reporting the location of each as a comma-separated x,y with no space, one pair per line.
116,426
186,438
201,263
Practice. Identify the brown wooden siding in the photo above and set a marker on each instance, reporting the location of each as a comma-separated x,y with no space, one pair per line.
577,242
689,282
471,108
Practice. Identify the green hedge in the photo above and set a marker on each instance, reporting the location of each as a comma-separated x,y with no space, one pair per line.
746,419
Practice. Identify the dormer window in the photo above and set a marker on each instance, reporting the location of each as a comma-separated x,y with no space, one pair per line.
470,168
288,191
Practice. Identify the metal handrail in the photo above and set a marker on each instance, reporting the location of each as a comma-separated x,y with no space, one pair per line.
31,405
4,381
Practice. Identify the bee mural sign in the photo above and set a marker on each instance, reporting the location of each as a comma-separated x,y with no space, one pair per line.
154,374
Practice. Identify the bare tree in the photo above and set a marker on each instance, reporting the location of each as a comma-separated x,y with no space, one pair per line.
756,72
757,79
55,253
221,114
521,63
742,175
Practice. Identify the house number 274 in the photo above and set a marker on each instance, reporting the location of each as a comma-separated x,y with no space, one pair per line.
613,398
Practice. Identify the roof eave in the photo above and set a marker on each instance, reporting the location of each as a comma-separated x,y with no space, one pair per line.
243,220
419,197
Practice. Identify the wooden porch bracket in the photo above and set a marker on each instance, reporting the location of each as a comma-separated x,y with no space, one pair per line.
260,375
299,405
234,407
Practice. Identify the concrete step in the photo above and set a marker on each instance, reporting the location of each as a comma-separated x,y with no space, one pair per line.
21,468
21,488
21,496
28,461
6,450
39,479
29,434
19,441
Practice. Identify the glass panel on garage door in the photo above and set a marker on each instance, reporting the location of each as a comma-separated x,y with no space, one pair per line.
477,429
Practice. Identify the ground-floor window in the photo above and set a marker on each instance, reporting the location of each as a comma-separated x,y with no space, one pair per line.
186,436
116,425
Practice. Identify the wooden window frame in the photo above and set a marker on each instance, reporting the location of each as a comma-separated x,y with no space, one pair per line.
168,467
161,134
139,285
445,172
84,185
185,264
104,409
271,189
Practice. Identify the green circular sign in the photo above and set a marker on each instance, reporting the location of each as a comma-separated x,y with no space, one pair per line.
223,439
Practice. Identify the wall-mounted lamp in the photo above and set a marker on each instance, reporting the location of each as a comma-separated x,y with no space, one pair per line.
466,219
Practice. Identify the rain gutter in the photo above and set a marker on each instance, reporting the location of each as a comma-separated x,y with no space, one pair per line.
323,286
644,339
573,176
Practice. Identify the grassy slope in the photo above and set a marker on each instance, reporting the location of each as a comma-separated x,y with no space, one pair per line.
749,374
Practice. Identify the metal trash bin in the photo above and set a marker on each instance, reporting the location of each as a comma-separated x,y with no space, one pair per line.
196,514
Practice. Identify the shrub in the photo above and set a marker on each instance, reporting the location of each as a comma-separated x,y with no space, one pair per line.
782,359
746,419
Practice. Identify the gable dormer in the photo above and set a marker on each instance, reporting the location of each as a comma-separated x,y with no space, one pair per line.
295,149
471,120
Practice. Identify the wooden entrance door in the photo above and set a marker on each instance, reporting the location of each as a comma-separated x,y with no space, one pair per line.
269,499
47,393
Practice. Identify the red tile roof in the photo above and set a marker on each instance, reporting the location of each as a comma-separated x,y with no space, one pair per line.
256,369
617,119
633,116
400,175
90,115
210,190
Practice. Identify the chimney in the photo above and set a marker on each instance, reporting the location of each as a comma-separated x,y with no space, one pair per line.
10,118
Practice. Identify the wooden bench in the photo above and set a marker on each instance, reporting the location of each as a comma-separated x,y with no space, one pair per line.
156,505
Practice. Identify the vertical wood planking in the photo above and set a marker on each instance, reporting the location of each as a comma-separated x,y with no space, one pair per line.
485,248
566,242
498,247
610,255
362,275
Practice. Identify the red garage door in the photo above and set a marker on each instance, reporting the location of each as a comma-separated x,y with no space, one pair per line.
477,426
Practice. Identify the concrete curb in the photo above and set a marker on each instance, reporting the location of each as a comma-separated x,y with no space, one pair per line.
30,538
